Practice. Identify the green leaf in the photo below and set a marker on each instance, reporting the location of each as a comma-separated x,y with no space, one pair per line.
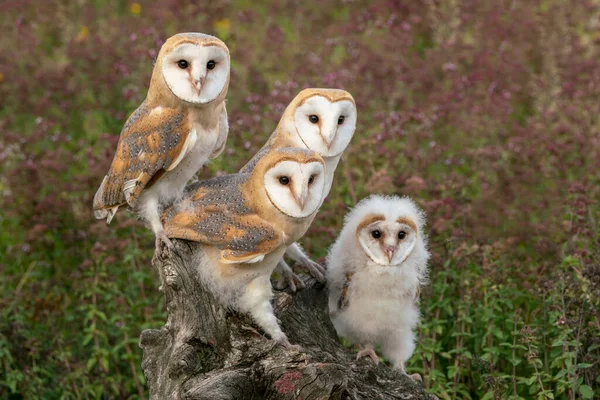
586,391
488,396
91,363
584,365
562,373
104,362
87,339
451,372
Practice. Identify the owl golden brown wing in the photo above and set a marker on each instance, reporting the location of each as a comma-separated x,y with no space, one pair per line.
254,160
214,212
153,141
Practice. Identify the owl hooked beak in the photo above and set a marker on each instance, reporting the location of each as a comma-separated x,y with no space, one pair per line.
301,200
329,139
197,83
389,253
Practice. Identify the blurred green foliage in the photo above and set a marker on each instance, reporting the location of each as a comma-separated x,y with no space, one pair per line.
486,112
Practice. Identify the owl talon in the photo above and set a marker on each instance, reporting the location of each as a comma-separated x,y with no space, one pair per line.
292,281
161,238
288,278
368,351
314,269
416,378
285,343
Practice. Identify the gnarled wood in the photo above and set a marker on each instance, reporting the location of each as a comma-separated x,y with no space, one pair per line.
208,352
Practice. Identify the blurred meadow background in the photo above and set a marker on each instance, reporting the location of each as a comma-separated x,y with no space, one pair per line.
486,112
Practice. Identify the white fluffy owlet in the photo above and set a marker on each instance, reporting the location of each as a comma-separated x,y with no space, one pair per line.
245,222
173,133
322,120
374,272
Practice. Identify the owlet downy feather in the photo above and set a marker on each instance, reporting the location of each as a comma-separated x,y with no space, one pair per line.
374,272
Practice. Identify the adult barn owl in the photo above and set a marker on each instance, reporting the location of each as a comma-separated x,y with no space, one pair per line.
374,271
322,120
173,133
245,222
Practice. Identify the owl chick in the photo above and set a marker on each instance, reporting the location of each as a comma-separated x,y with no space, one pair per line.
245,222
322,120
173,133
374,272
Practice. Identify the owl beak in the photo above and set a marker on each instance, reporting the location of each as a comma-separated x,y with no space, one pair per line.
329,139
197,83
301,200
389,252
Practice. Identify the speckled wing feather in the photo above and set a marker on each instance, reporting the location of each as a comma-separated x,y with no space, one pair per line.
215,213
254,160
153,141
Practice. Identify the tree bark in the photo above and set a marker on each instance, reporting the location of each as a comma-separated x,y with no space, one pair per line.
206,351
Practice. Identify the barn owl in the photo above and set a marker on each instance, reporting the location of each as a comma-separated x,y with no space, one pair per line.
322,120
245,222
374,272
181,124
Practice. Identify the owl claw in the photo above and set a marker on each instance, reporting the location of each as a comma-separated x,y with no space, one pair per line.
399,366
314,269
285,343
161,237
288,278
368,351
292,281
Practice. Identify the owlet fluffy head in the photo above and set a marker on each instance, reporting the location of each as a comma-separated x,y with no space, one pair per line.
324,119
388,229
293,179
194,67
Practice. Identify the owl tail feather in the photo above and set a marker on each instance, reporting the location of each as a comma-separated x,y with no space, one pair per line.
106,213
100,211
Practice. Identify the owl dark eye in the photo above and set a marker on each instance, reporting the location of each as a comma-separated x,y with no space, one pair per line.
211,64
341,120
284,180
311,179
401,235
376,234
313,118
182,64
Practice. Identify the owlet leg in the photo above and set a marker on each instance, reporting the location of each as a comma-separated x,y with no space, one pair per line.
399,349
400,367
368,351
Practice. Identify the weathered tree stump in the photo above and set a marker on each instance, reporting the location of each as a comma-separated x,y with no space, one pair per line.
206,351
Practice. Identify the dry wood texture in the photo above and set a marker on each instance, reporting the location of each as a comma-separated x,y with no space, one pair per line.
206,351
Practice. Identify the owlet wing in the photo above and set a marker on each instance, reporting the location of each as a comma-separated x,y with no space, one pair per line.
153,141
344,298
214,212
